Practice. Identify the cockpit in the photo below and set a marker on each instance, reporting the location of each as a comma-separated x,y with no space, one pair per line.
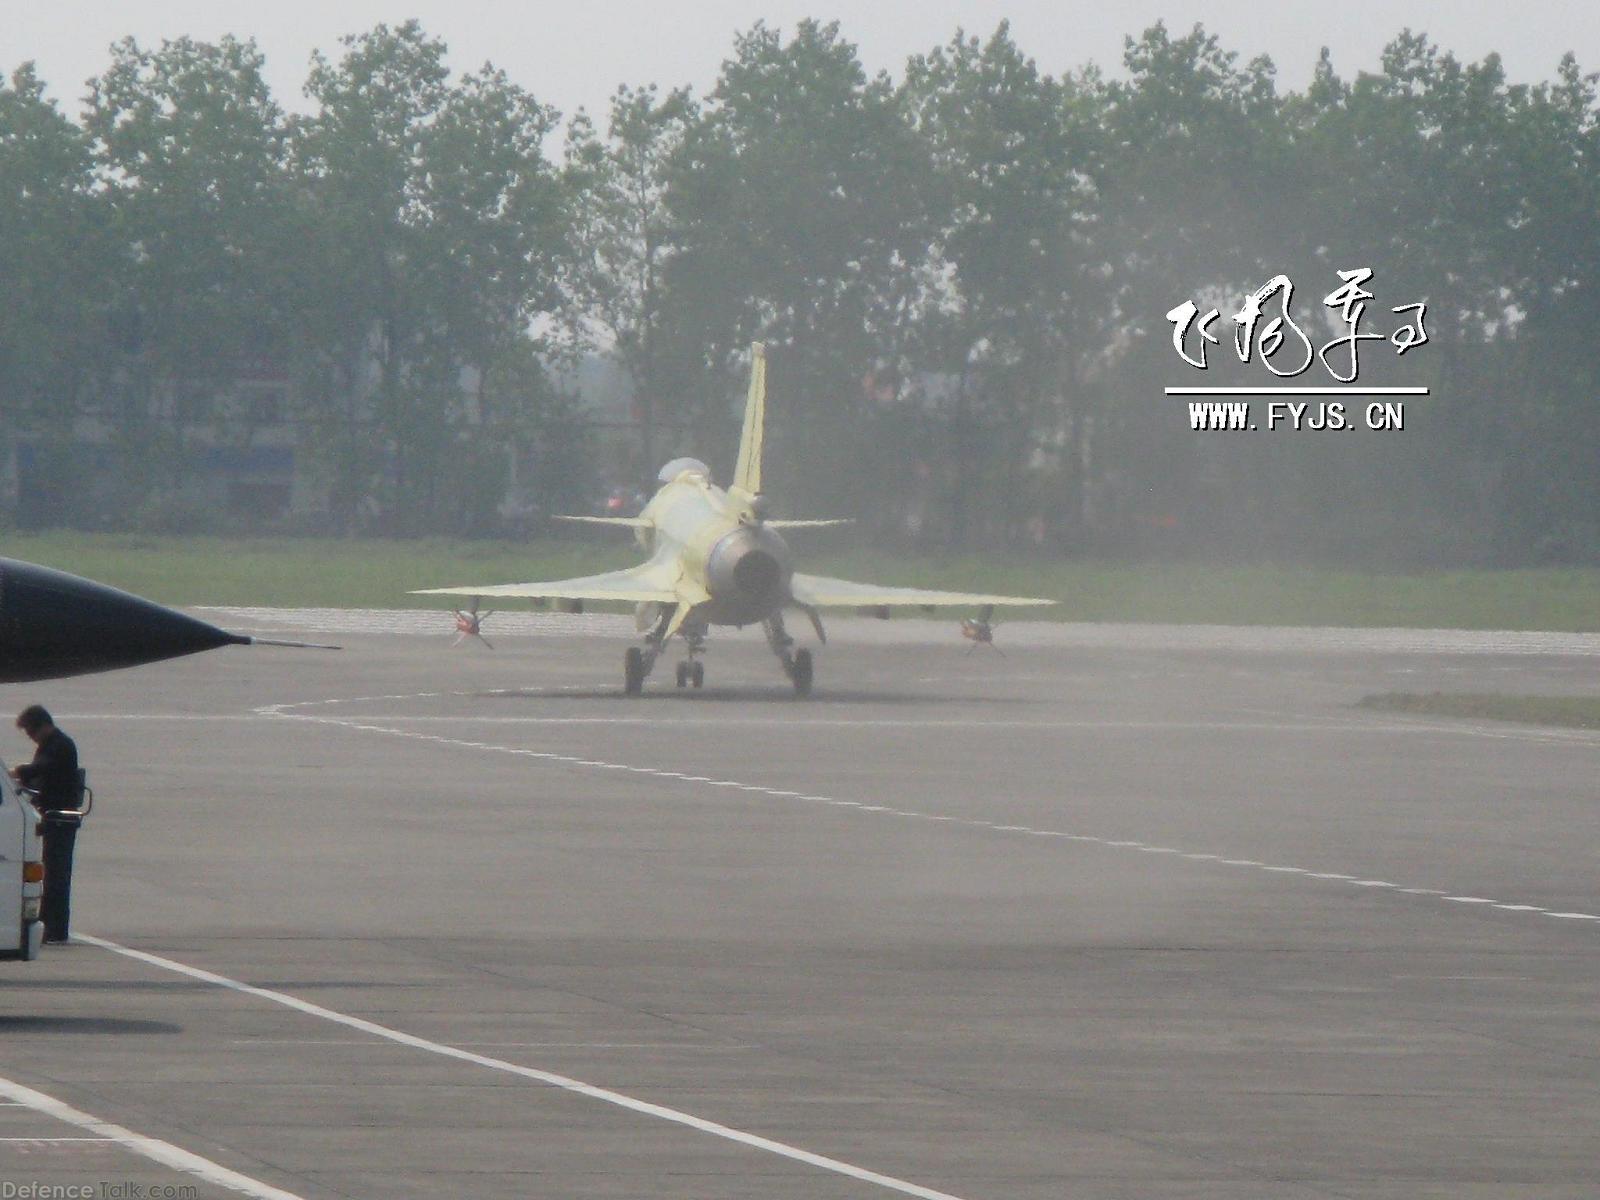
679,466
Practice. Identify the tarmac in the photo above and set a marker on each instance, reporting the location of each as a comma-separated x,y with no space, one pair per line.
1125,912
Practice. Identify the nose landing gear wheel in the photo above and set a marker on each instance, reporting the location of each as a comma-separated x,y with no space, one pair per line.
633,671
697,674
800,672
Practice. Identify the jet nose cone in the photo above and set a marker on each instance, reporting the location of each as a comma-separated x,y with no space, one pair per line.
54,624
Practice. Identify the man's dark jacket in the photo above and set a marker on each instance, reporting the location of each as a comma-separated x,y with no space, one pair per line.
53,773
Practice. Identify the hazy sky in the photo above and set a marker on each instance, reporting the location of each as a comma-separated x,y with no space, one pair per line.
571,53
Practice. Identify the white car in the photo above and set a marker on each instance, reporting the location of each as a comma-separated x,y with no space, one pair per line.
21,875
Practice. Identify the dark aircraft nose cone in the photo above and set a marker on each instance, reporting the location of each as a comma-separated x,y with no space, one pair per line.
54,624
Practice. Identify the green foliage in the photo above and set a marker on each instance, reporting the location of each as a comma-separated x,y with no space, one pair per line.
632,237
444,235
52,259
1569,712
378,572
797,200
962,275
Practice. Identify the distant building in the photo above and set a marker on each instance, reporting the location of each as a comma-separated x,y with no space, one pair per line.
236,447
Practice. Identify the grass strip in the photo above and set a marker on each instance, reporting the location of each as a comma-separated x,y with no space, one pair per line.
377,573
1567,712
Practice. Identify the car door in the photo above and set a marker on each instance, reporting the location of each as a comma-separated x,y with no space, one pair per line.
14,815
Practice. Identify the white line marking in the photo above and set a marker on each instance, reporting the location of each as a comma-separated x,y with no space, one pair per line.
1574,916
1406,727
1353,389
44,1140
436,623
154,1149
537,1045
564,1082
281,712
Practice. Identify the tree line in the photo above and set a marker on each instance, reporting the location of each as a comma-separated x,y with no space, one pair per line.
963,273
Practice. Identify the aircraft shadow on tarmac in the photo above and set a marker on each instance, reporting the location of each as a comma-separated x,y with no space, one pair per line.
84,1025
186,985
754,694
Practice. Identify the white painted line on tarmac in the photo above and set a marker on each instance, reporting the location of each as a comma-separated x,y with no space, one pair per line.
281,712
152,1148
172,717
565,1082
1577,739
721,1046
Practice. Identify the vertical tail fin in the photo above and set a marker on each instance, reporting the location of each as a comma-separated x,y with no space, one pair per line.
747,471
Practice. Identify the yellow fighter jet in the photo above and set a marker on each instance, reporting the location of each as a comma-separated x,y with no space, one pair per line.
717,559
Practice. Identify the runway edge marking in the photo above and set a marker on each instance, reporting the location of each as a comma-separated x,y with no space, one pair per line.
149,1147
277,712
565,1082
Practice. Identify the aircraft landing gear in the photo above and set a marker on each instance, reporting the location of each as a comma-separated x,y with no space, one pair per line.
691,671
641,660
634,670
796,663
800,673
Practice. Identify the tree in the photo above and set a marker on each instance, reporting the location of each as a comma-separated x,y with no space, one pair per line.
1199,195
52,253
632,234
799,199
188,148
444,237
1017,185
53,267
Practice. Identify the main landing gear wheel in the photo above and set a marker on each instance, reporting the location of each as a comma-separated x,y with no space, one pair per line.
633,671
697,674
683,674
800,672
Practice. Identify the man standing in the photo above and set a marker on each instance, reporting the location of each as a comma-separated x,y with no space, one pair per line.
52,777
